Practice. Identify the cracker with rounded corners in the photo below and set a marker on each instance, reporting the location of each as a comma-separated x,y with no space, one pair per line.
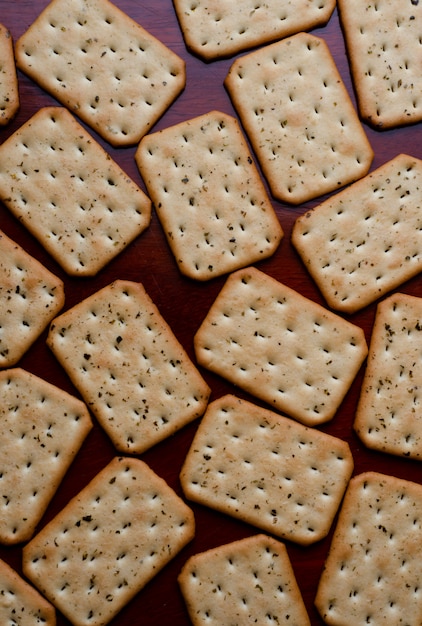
22,601
299,118
280,346
388,412
373,570
221,28
44,427
30,297
69,193
127,364
103,66
267,470
209,196
9,87
366,240
247,581
108,542
383,43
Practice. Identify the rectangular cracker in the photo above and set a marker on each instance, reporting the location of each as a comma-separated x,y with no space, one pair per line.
373,571
20,603
45,427
108,542
30,296
9,88
102,65
383,43
221,28
388,416
267,470
367,239
299,118
208,195
249,581
68,192
128,366
280,347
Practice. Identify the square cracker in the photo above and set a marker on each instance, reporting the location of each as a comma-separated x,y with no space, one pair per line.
280,347
220,28
20,603
209,196
373,571
30,296
45,427
128,366
102,65
69,193
249,581
108,542
267,470
367,239
388,416
299,118
9,88
383,41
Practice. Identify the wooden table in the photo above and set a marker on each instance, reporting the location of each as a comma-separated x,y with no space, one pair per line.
184,304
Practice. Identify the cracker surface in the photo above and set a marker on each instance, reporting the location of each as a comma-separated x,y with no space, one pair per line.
20,601
41,430
102,65
373,570
108,542
30,297
388,413
219,28
279,346
384,48
127,364
366,240
9,89
267,470
299,118
69,193
209,196
247,581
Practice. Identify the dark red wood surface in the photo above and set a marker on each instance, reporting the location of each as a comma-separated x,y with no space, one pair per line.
184,304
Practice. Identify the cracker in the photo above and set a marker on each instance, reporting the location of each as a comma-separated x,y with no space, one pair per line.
388,413
9,89
367,239
128,366
383,42
30,296
45,427
299,118
20,603
108,542
249,581
102,65
69,193
221,28
373,571
280,347
267,470
208,195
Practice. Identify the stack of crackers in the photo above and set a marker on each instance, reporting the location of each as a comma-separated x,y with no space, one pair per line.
273,359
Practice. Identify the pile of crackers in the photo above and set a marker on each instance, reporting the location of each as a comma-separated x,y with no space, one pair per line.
259,454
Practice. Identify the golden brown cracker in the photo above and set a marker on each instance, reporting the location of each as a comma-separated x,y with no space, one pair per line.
299,118
129,367
209,196
103,66
267,470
